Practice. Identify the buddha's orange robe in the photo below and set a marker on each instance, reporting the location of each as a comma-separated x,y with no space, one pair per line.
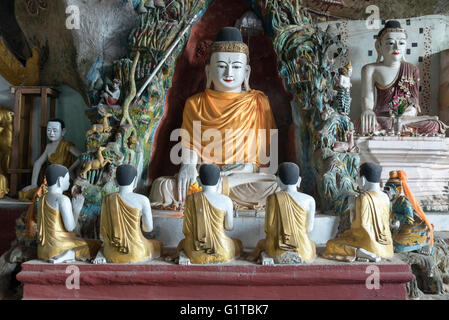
237,117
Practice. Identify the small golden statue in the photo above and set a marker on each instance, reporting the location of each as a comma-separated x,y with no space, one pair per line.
207,214
123,241
289,217
57,243
6,128
369,237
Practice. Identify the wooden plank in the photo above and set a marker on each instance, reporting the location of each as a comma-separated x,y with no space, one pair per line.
43,119
36,91
15,141
53,92
52,108
29,144
20,170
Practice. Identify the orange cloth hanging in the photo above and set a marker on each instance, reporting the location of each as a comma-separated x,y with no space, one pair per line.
409,195
30,219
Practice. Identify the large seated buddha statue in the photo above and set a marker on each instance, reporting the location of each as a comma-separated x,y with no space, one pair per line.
392,78
228,125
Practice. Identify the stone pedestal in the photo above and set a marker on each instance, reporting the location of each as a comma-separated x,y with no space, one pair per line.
249,227
424,159
240,280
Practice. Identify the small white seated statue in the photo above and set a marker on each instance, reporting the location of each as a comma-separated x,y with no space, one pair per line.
57,151
389,78
216,123
57,218
121,213
289,218
369,238
206,217
109,97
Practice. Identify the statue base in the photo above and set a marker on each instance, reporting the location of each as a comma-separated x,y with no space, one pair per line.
239,279
424,159
249,227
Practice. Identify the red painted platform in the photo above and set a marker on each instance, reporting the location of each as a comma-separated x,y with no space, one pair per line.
239,280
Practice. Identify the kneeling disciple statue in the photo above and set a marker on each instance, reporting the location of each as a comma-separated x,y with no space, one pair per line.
206,216
229,125
289,217
369,237
56,221
411,228
123,241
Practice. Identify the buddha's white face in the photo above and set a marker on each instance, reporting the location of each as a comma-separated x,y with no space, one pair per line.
228,71
393,46
54,131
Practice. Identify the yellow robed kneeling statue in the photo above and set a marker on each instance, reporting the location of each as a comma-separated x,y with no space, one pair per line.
55,240
369,236
120,229
3,186
121,213
286,228
204,224
57,218
289,217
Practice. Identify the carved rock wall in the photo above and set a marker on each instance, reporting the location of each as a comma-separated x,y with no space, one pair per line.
74,55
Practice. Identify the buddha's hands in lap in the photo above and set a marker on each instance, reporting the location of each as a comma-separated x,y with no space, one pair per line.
187,175
239,167
368,121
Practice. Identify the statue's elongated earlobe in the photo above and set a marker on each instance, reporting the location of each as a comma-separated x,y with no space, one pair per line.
379,54
246,82
208,78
